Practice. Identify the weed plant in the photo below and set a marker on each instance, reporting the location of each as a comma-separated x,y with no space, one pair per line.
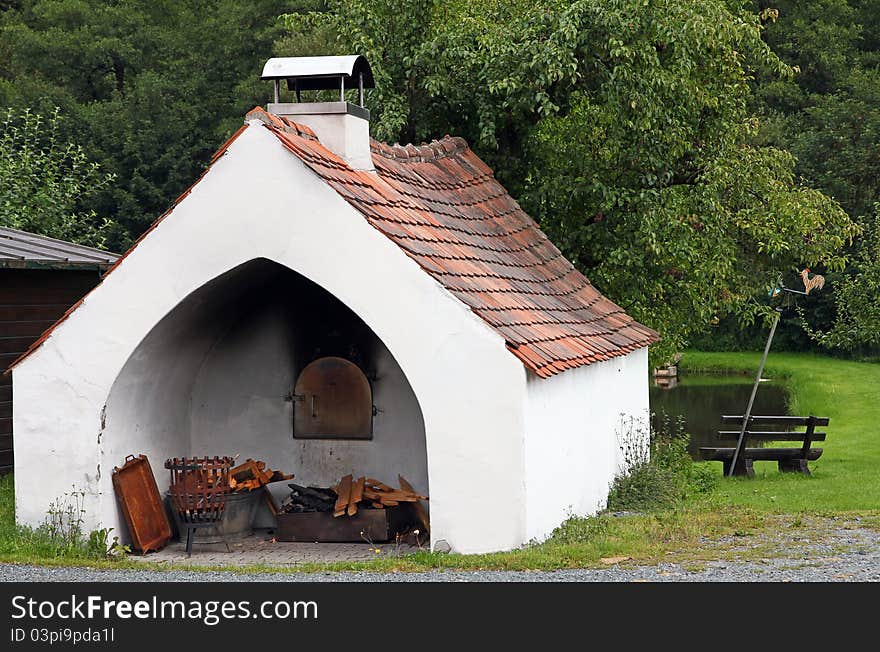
657,471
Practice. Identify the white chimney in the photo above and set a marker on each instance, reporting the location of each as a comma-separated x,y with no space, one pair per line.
342,127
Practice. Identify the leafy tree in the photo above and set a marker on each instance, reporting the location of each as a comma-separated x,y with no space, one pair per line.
150,87
857,323
44,182
828,116
624,127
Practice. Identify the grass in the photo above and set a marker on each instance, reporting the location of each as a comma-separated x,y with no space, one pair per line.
847,476
56,541
738,519
578,543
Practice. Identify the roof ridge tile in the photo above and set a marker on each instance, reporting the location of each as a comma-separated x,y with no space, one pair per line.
424,153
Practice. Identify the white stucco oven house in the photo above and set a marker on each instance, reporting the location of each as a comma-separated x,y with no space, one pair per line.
498,373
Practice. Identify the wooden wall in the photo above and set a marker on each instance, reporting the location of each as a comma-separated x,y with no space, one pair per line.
30,302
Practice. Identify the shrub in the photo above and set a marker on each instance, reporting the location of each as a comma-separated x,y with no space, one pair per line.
657,471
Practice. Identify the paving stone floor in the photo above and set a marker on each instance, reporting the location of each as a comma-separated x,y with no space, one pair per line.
260,548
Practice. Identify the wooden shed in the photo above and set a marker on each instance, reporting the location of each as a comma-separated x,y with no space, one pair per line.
40,279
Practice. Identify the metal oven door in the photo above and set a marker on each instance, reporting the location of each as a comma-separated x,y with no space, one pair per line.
332,400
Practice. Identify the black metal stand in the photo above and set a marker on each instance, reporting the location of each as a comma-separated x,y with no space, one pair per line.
741,442
191,530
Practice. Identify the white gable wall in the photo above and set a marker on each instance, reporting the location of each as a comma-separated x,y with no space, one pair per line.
260,201
572,445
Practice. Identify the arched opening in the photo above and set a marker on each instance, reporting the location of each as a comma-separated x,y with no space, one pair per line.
218,376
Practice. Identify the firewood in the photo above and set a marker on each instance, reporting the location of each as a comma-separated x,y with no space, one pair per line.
244,471
344,492
379,485
371,494
357,494
419,509
270,501
264,476
400,496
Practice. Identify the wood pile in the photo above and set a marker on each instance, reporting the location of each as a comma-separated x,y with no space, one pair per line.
369,492
252,475
349,495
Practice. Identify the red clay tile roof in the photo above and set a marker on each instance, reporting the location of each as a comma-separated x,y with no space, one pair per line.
443,206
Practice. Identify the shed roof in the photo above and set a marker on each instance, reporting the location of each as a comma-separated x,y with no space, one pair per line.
443,206
23,250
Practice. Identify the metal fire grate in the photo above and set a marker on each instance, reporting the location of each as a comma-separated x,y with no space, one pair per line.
199,487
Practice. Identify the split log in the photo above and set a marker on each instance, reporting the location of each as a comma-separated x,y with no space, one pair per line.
344,492
379,485
373,495
357,495
419,509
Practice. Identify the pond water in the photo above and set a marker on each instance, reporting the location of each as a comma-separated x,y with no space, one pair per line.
701,400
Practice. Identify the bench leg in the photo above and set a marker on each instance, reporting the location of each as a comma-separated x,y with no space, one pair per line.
744,467
794,466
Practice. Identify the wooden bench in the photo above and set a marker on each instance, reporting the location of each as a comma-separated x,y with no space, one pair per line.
789,459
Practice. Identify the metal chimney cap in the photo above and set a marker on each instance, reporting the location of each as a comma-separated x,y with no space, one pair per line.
319,73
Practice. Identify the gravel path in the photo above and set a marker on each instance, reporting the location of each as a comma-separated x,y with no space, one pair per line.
836,552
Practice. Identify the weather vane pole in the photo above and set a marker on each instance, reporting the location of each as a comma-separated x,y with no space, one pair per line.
817,282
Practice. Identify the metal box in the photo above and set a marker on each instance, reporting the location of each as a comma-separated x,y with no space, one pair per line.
368,525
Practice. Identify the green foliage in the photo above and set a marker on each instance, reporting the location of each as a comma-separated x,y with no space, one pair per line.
150,88
391,36
650,139
828,116
623,126
658,472
44,182
858,297
60,537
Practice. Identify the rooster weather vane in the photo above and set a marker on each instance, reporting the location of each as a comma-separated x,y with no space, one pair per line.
817,282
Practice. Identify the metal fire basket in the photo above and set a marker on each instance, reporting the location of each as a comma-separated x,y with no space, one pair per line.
199,487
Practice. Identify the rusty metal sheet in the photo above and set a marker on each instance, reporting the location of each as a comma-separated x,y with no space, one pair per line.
142,507
332,400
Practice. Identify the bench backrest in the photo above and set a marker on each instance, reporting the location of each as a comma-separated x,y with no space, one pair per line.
782,421
776,420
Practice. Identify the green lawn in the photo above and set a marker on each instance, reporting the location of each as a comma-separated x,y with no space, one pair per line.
847,476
